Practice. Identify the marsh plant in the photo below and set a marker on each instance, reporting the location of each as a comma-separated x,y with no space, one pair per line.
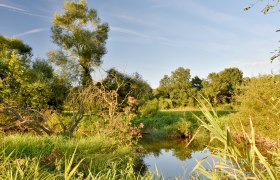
232,162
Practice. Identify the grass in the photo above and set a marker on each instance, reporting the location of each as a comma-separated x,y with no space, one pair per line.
32,157
172,123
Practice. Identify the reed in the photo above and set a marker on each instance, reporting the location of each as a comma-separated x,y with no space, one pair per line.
229,161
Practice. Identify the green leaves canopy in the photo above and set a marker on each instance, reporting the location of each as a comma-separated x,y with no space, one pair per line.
81,37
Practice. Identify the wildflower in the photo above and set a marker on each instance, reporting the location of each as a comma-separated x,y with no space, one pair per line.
141,125
139,135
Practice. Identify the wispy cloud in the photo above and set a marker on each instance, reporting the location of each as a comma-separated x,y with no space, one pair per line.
252,63
128,31
12,7
141,35
32,31
135,20
200,10
17,9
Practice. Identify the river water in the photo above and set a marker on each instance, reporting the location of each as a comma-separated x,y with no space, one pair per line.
172,158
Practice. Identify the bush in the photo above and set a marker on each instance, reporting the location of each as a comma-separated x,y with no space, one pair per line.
260,101
184,127
165,103
150,108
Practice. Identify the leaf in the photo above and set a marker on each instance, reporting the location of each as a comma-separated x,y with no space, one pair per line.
267,9
247,8
274,57
199,163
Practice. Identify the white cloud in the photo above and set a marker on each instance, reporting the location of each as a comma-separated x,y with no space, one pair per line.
32,31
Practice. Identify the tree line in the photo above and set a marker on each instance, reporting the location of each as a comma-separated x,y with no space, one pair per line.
181,90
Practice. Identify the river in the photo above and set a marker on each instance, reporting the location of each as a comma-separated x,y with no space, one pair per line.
173,158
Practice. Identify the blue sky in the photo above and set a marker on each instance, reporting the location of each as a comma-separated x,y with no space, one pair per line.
154,37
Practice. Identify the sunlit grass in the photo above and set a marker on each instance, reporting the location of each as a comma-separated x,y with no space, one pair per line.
34,157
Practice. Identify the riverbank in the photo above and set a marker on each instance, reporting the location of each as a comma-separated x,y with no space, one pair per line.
173,124
26,156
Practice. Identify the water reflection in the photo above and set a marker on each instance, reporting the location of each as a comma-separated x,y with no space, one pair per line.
172,157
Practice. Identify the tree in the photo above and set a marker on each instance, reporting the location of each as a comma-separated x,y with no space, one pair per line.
181,86
129,85
16,45
221,87
12,76
59,86
81,37
28,84
197,83
178,88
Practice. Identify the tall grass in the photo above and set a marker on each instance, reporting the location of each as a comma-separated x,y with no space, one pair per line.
230,161
33,157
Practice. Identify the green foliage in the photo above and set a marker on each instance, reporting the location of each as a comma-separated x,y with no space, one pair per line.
231,162
33,87
184,127
179,88
149,108
197,83
165,103
35,95
10,45
81,37
12,76
221,87
42,69
260,101
172,123
129,85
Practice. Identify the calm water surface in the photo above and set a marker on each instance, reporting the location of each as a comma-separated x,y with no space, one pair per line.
172,158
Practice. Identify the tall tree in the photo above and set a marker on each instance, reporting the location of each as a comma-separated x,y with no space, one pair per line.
81,37
178,88
221,87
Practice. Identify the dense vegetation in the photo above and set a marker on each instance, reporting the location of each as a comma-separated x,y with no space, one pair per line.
180,90
57,122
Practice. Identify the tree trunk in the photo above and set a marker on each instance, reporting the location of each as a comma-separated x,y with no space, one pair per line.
86,76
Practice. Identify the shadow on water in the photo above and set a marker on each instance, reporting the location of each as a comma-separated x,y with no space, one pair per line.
173,157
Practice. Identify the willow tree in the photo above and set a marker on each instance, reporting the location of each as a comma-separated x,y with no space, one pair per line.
81,37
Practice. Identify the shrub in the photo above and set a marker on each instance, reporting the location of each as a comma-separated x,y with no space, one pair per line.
151,107
260,101
184,127
165,103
